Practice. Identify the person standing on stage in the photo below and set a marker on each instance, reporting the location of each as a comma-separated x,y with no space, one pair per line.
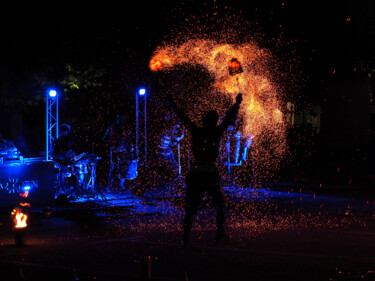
63,146
167,165
63,152
204,175
119,138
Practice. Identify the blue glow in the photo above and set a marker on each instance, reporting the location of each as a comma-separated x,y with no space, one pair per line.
52,93
27,187
142,92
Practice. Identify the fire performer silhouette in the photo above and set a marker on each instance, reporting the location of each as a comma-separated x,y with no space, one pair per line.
204,174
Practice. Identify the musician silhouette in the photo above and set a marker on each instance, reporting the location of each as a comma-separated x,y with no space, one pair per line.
204,175
63,146
119,138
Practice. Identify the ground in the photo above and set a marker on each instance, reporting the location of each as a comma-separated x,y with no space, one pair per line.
277,232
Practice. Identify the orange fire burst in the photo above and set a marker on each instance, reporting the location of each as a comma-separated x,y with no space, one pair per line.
159,63
20,219
261,103
261,112
155,65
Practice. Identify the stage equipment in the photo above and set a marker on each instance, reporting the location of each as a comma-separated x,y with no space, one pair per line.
34,176
79,178
237,142
178,135
52,121
141,126
240,152
131,170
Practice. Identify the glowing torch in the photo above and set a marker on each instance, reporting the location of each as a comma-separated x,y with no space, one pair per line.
20,223
234,67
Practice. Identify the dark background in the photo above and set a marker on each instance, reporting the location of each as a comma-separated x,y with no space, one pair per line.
108,49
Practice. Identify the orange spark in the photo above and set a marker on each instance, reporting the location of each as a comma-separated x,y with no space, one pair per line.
25,204
25,194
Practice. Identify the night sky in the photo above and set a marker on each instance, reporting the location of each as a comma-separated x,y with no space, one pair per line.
102,37
328,38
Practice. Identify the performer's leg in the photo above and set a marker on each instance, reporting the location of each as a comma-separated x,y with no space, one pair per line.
216,191
193,198
188,223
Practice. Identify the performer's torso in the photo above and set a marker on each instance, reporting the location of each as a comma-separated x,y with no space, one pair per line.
206,144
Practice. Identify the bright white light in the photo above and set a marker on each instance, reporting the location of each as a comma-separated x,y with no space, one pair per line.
27,187
142,92
52,93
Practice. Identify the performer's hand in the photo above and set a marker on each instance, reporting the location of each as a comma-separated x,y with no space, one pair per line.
239,98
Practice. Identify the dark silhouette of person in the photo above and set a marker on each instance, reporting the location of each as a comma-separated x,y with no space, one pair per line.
204,175
63,153
119,137
63,146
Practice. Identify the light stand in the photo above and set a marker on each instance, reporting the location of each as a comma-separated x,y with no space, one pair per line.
141,121
52,121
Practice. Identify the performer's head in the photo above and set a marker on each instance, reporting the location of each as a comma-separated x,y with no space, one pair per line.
210,119
64,130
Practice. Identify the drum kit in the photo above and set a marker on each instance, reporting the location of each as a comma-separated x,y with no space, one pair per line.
78,178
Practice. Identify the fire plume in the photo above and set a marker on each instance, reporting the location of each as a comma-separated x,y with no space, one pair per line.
235,68
260,94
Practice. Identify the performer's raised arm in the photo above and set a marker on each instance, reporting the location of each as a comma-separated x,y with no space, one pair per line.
180,113
231,115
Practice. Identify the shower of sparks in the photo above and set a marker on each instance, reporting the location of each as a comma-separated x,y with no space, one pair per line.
261,113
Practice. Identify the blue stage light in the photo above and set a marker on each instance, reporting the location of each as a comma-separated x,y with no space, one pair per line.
52,93
142,92
27,187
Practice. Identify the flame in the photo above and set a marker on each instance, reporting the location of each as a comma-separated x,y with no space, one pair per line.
25,194
20,219
159,62
155,65
25,204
